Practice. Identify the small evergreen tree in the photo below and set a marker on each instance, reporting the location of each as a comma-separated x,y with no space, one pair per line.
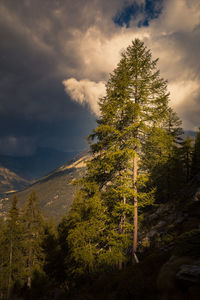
196,155
12,263
186,152
87,231
3,278
55,251
33,224
161,156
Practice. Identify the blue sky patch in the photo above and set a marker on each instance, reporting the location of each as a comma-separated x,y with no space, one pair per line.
146,12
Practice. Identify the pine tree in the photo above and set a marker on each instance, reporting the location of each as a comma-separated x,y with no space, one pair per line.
3,281
135,107
161,156
196,155
54,246
87,235
12,250
133,115
33,224
186,152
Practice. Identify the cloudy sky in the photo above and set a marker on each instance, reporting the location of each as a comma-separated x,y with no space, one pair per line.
56,56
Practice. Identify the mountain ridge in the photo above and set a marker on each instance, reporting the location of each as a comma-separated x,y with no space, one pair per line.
55,190
34,166
10,181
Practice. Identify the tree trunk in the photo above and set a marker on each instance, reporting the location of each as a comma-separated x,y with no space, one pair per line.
135,218
29,282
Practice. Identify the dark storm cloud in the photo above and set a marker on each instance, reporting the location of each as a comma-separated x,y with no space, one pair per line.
34,110
51,46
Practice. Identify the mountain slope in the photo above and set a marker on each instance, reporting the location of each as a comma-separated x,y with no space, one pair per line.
10,181
38,164
55,191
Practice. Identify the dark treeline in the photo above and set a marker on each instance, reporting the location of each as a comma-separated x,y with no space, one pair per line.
139,160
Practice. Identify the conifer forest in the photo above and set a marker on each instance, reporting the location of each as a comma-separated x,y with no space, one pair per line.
134,221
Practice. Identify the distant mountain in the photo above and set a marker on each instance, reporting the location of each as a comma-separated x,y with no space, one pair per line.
11,182
190,133
37,165
55,190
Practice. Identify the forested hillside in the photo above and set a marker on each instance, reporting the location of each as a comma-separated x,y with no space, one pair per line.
133,228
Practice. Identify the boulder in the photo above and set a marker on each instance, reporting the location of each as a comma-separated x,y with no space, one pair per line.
189,274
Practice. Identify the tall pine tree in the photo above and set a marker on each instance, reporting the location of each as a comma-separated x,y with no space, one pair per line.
135,106
134,110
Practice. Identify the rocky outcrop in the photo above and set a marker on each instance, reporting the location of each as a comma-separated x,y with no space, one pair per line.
11,182
189,274
179,279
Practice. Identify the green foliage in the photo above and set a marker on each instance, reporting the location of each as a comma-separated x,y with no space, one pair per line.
196,155
51,249
137,158
33,226
132,149
11,251
186,152
161,157
91,243
21,256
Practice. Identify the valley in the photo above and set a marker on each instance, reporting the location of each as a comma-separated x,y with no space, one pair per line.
55,190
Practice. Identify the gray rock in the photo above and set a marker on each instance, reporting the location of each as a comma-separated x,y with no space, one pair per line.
189,273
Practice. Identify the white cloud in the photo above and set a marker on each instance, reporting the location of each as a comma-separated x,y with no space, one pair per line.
180,15
98,53
174,37
85,92
85,44
182,92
